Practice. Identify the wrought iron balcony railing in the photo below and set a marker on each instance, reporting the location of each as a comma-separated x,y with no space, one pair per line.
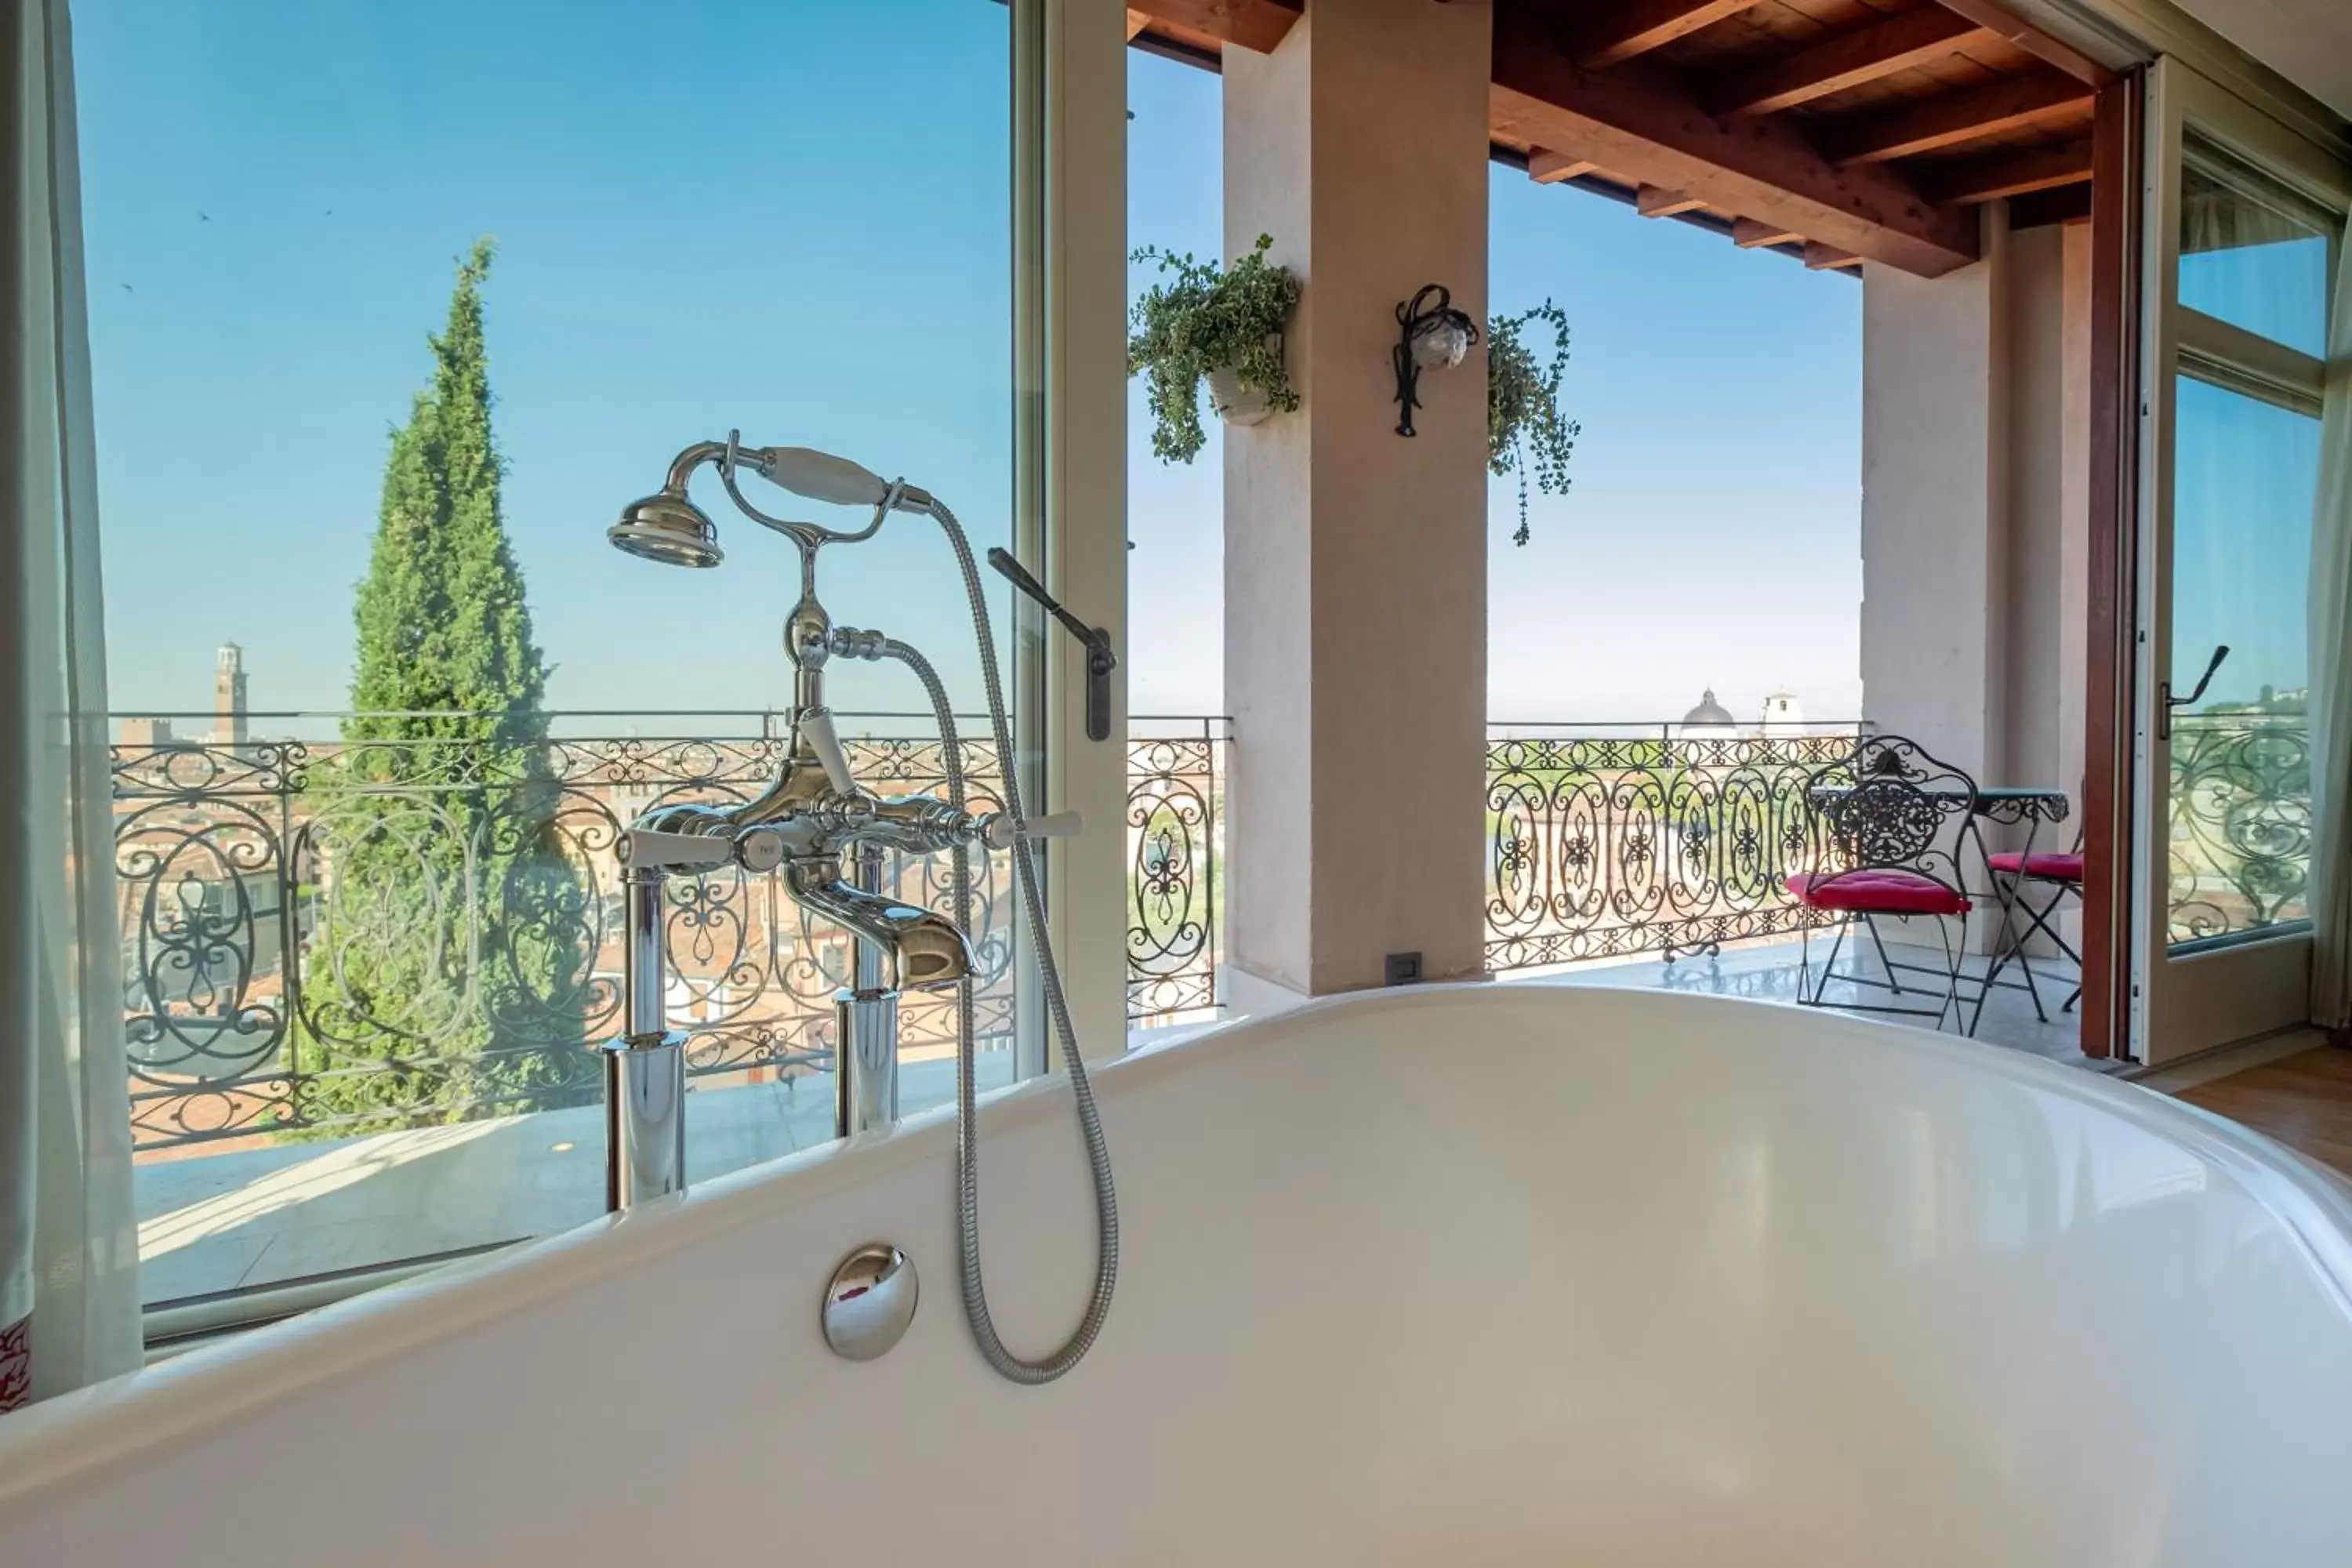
321,938
1609,841
1175,833
2239,846
325,938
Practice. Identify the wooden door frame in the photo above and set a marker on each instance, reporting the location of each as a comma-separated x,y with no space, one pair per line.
2112,613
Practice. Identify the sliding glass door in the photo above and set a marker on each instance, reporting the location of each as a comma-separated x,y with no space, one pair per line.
2243,220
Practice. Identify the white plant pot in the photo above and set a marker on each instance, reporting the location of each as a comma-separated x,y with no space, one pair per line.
1236,404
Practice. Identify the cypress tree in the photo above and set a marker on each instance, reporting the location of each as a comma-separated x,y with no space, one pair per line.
448,960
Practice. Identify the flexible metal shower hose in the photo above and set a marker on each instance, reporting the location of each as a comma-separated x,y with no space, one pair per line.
975,1292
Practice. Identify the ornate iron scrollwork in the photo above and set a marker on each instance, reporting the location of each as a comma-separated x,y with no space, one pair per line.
1605,846
255,878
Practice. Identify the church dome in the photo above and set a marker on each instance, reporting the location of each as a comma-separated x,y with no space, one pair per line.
1709,714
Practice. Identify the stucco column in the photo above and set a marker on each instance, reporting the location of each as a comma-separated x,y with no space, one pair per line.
1976,508
1355,559
1935,478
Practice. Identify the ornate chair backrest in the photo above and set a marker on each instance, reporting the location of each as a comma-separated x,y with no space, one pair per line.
1891,806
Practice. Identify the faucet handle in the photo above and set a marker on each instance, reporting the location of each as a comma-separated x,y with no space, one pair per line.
816,729
646,850
998,833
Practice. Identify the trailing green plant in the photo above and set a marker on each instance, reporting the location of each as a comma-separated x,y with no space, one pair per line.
1525,429
1204,318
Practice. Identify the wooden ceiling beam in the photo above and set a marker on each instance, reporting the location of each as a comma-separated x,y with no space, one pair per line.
1136,22
1849,59
1643,127
1640,26
2060,204
2011,174
1750,233
1995,17
1656,201
1258,24
1545,167
1957,118
1822,258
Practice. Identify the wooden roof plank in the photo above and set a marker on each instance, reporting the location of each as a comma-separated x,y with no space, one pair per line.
2010,173
2060,204
1656,201
1819,257
1640,26
1258,24
1749,234
1995,17
1545,167
1847,60
1957,118
1641,125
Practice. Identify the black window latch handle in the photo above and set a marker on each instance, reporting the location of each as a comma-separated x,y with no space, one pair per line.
2164,690
1100,660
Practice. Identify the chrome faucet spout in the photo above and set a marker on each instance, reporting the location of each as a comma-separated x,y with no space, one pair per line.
922,950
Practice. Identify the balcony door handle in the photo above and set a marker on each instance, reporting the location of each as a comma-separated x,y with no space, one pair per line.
2164,718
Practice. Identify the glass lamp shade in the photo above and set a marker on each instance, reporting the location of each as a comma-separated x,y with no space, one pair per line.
1442,340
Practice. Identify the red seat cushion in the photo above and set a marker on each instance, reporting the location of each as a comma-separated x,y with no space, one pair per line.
1883,892
2053,868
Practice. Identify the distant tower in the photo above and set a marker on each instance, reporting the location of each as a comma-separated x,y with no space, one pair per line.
1783,716
229,697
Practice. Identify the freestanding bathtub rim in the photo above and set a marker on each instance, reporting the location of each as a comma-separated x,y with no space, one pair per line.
114,1422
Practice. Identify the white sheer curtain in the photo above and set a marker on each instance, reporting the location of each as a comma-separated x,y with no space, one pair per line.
68,1248
2331,676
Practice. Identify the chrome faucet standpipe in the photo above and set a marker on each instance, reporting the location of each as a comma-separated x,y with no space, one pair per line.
645,1066
814,821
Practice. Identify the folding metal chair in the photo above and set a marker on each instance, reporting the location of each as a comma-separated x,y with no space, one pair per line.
2061,872
1894,818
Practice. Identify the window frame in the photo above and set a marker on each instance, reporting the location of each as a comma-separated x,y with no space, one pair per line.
2191,997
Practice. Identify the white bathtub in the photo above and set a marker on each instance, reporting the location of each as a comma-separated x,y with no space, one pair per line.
1470,1276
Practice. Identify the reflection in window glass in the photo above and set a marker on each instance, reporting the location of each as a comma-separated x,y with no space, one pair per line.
2253,252
362,951
2245,480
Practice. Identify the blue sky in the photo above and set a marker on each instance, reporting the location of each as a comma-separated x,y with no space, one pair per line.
705,217
1712,532
2245,478
708,216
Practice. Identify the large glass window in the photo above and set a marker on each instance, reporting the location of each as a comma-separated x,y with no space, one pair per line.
2245,475
2253,278
385,329
2253,252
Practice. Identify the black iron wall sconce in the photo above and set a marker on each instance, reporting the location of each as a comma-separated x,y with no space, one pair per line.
1433,335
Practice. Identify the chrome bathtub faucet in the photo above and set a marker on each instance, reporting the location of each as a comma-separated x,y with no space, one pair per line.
810,823
815,824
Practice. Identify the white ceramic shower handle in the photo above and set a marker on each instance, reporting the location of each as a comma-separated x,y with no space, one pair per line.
816,729
1059,825
821,476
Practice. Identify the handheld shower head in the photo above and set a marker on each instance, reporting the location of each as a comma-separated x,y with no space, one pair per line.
821,476
667,528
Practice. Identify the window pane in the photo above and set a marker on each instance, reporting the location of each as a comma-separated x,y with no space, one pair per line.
2244,479
362,951
2253,252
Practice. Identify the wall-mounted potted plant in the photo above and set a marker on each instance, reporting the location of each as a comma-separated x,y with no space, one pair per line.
1219,325
1526,430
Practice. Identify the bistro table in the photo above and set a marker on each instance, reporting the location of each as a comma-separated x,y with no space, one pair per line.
2034,806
